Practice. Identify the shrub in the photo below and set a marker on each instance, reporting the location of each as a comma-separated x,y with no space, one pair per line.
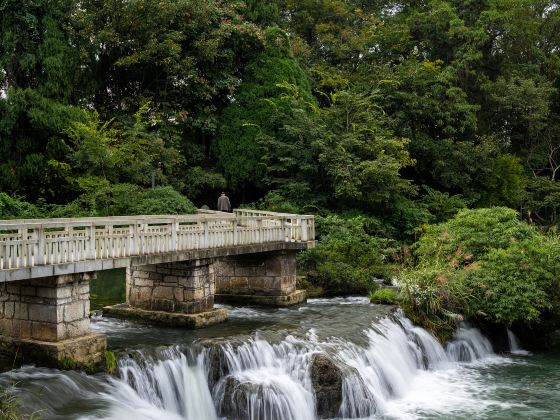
486,264
516,284
384,297
125,199
162,200
347,259
104,199
470,234
441,205
16,208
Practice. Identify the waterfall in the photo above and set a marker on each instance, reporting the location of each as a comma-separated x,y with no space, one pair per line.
171,388
468,344
514,346
257,379
393,370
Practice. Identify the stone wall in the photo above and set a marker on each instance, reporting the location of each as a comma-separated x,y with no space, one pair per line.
186,287
46,309
267,274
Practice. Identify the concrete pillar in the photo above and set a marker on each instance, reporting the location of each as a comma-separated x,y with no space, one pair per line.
178,293
48,319
263,279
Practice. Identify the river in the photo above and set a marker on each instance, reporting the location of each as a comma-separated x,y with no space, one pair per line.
390,370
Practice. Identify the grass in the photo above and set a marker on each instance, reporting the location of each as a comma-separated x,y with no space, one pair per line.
384,297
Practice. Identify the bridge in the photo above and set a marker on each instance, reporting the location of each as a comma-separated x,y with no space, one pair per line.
176,266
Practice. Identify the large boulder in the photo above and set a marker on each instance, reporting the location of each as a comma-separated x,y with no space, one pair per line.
326,378
235,396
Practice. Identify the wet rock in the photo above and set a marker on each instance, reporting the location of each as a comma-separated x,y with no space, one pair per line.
216,358
326,378
235,398
217,365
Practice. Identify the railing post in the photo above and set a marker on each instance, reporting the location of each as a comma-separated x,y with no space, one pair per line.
90,242
174,246
40,258
206,237
24,256
235,238
259,230
131,239
303,229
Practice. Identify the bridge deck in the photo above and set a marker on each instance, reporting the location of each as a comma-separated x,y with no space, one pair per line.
33,248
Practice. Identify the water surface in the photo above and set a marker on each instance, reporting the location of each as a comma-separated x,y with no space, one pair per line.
393,370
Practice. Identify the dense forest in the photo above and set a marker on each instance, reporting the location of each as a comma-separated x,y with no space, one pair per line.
384,118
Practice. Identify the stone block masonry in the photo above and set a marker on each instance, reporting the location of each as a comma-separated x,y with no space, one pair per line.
263,279
186,287
47,319
177,294
46,309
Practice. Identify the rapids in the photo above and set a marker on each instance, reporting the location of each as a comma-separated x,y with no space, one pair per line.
260,368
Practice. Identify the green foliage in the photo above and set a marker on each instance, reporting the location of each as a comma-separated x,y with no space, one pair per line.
384,297
542,201
361,157
275,91
15,208
103,199
41,77
470,234
442,205
347,259
517,284
67,363
125,199
110,361
9,406
506,183
126,152
199,180
274,201
334,105
486,264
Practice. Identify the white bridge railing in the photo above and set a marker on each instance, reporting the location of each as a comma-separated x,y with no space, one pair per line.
34,242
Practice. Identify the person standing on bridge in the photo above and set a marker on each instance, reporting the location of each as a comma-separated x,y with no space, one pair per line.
223,203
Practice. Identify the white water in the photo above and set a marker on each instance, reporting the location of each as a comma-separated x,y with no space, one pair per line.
402,371
514,346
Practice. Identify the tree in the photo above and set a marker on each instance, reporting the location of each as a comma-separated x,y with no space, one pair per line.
361,157
42,80
119,153
266,133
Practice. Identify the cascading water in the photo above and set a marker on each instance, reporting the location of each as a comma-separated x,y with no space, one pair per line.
514,345
468,344
258,378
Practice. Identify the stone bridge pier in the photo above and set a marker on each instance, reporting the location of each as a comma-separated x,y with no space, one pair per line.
46,320
173,293
261,279
182,293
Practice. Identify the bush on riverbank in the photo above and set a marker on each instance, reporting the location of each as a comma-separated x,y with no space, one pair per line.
485,264
384,297
347,258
